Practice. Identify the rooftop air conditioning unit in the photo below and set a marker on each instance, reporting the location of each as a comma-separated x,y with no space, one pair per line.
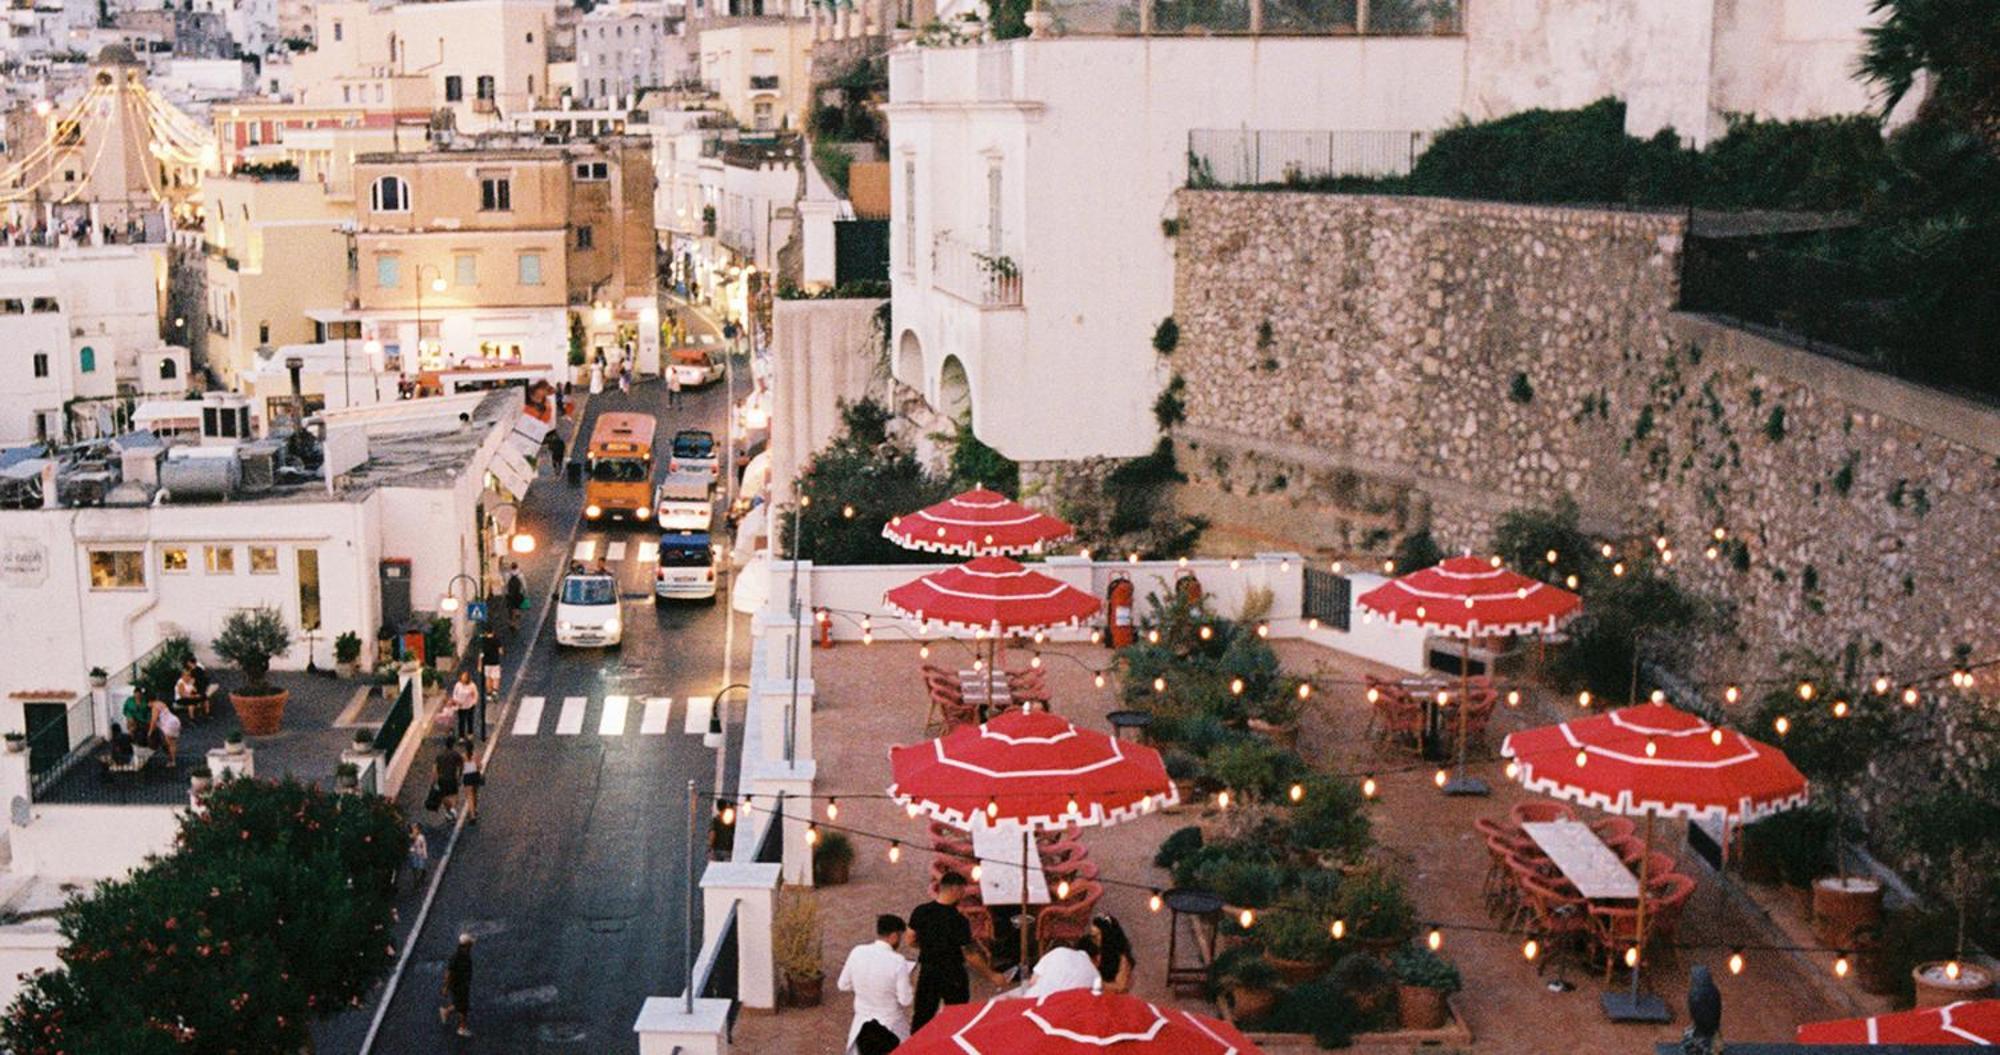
189,476
259,465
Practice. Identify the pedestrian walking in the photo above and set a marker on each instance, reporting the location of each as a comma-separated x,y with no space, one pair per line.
457,988
450,766
625,375
465,701
557,448
471,778
489,659
673,387
878,974
516,593
419,858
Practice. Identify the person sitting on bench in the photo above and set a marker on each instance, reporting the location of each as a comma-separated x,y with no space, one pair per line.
191,691
121,745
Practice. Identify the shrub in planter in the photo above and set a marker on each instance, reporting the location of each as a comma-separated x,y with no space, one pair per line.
1297,942
833,859
1377,911
233,743
1182,769
1797,844
155,678
795,946
1328,821
1366,981
347,652
1243,981
17,742
200,778
1952,835
346,775
364,741
1254,769
250,637
1423,979
1240,882
1177,846
1320,1009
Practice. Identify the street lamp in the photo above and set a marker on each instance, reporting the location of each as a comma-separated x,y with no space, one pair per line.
449,602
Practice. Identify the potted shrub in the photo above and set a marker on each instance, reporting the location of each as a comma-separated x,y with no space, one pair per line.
1297,943
364,741
200,778
1366,981
250,637
1243,983
1327,825
1182,769
1953,834
347,654
833,859
1320,1009
233,743
17,742
795,947
1376,909
1175,848
346,776
98,677
1423,981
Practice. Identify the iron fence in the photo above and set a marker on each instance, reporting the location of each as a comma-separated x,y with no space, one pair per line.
390,736
1329,598
60,734
771,846
716,972
1250,157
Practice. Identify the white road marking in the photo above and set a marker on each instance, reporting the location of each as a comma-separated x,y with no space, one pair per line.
570,722
654,722
585,549
528,720
612,721
615,551
697,715
649,552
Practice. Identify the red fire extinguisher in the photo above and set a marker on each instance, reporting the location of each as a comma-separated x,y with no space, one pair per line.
825,621
1118,611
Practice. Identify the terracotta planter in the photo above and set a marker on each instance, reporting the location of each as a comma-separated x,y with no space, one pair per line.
1421,1007
1298,972
1285,736
805,992
832,872
1843,907
346,669
1250,1005
260,715
1935,988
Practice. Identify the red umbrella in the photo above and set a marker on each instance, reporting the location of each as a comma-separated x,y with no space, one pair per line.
975,523
1466,597
1074,1022
1968,1023
1033,769
1655,760
994,594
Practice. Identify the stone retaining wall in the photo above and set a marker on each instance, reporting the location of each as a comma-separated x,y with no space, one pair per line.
1361,366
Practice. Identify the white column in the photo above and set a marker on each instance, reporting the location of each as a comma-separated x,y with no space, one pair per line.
753,889
664,1028
767,780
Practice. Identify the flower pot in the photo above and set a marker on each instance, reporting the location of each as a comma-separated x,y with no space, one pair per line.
1421,1007
1936,988
260,715
1841,907
232,747
346,784
98,681
805,992
362,747
1298,972
833,872
1248,1004
346,668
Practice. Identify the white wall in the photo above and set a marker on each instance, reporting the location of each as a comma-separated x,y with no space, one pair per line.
24,949
822,352
91,842
1084,185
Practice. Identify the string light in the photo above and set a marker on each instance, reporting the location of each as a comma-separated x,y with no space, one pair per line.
1247,918
1297,792
1305,690
1440,778
977,871
1660,543
1495,560
1222,800
1736,961
1881,686
1531,949
1513,697
1154,902
1074,806
1551,555
1618,568
1666,556
867,637
1783,725
1099,679
1236,686
913,810
1152,637
1036,661
1841,966
895,852
992,808
1388,567
1952,970
1368,787
1720,534
812,835
1062,890
924,651
1096,637
1606,550
1910,696
1583,698
728,815
1570,582
1513,770
1715,737
1582,758
1711,553
1632,957
1313,623
1435,939
1206,631
1840,708
1373,694
1806,690
1338,928
833,809
848,512
1264,630
1731,694
1652,749
1657,696
1159,684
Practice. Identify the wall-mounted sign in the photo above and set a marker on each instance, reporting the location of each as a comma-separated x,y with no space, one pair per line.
23,562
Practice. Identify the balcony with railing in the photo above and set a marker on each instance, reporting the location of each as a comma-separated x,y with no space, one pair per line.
984,280
764,82
1248,157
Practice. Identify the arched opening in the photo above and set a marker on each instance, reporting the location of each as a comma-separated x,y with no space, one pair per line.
389,194
169,370
954,391
910,360
87,360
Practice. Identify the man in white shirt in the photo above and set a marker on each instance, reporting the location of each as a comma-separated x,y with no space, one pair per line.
879,977
1067,966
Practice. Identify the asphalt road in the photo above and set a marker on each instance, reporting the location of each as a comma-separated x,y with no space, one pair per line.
573,880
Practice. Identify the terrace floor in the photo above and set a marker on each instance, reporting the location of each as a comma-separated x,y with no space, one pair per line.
320,721
871,697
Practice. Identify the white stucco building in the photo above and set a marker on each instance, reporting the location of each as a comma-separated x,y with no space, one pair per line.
480,59
1030,178
622,48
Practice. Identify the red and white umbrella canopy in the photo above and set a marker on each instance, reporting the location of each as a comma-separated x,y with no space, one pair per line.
1028,768
1074,1022
994,594
1472,597
975,523
1969,1023
1657,759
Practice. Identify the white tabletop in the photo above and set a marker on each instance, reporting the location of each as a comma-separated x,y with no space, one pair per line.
1584,860
999,852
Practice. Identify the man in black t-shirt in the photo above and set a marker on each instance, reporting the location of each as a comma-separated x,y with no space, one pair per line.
943,940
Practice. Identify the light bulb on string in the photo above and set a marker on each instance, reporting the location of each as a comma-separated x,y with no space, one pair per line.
1159,684
1441,778
1096,637
1715,737
1570,581
1583,698
1840,708
1632,957
1881,686
1783,725
867,637
1373,694
1660,543
923,651
1264,630
1657,696
1551,555
1513,770
1711,553
1297,792
1035,661
1806,690
1841,966
895,851
1246,918
913,810
1513,697
1154,903
1313,623
1652,749
1606,550
1338,928
1720,534
1222,800
977,871
1618,569
1074,806
1305,690
1388,567
1582,759
1435,939
1952,970
1368,787
728,815
812,834
1731,694
1236,686
832,809
1099,679
1152,637
1736,961
1910,697
1062,889
1495,560
992,808
1206,632
1531,949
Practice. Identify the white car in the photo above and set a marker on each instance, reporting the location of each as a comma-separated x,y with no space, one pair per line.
695,367
587,611
685,501
687,566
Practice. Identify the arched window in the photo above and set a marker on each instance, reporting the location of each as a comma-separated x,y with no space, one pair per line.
169,370
390,194
86,360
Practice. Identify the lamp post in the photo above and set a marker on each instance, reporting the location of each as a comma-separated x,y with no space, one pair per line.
449,603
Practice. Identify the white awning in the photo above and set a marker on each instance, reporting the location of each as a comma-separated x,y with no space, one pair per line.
526,439
514,473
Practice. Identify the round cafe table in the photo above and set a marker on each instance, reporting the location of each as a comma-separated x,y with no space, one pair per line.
1123,722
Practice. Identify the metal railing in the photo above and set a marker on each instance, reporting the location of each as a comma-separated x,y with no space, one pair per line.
716,973
764,83
56,746
1257,157
390,736
981,279
1328,598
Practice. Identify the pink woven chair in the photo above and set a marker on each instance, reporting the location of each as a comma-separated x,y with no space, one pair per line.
1540,812
1612,829
1067,920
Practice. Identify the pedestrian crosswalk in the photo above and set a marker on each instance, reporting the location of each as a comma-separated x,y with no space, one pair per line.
612,551
614,715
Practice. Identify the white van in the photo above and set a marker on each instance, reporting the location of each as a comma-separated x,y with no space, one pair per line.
587,611
685,501
687,566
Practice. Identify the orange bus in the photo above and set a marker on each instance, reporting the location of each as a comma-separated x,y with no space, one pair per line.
620,463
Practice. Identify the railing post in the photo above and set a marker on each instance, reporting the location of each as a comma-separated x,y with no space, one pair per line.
1145,18
753,890
1256,16
1361,17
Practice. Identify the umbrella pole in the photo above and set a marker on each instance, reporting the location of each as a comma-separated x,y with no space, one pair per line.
1634,1006
1021,921
1462,784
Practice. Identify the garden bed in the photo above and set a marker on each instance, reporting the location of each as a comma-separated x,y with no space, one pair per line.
1456,1032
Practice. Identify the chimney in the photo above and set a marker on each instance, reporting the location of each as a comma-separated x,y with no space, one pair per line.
49,496
294,365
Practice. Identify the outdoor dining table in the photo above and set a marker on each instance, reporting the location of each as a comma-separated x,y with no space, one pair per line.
998,849
988,694
1584,860
1431,741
